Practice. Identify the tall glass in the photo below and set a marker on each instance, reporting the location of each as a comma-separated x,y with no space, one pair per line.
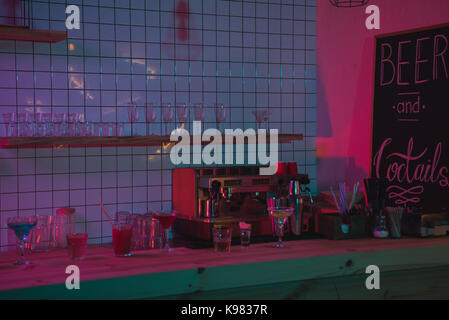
76,245
182,112
280,216
198,112
42,238
122,233
9,120
21,227
133,116
166,220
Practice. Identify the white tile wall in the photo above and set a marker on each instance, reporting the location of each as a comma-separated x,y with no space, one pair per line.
246,54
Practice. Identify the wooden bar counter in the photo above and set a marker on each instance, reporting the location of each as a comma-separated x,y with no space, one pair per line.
308,269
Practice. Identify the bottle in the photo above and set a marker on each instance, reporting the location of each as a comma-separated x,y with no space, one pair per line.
380,230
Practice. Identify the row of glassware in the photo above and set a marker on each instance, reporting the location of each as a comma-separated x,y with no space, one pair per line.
27,124
51,231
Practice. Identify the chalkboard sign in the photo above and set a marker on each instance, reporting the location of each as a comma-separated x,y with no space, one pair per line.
410,137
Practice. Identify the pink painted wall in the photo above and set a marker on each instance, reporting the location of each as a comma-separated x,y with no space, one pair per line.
345,57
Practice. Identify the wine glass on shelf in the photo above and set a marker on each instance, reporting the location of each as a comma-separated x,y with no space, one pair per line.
133,115
198,112
166,220
280,216
150,115
167,114
220,114
261,116
21,227
182,112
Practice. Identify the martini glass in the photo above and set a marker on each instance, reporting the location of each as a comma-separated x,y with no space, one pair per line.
166,220
21,227
280,216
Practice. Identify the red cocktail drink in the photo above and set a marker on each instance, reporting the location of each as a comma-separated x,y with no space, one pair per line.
166,220
76,244
121,239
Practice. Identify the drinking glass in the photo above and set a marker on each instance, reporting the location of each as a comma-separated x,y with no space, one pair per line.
59,124
30,125
76,245
122,232
222,238
167,114
133,116
182,112
245,237
166,220
280,216
9,120
261,116
73,121
120,129
22,123
64,223
150,115
220,114
42,238
21,227
146,233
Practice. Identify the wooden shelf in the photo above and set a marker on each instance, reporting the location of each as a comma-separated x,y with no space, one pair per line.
64,142
27,34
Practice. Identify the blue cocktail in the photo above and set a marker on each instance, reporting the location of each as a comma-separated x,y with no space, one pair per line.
21,227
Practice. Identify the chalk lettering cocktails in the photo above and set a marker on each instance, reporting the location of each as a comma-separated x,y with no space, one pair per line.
166,220
21,227
280,216
76,245
121,238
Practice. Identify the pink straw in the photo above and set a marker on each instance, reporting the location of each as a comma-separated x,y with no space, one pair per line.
105,212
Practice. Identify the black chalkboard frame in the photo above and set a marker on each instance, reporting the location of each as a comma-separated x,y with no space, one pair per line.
373,94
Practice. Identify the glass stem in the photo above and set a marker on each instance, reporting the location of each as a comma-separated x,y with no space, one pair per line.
167,245
20,251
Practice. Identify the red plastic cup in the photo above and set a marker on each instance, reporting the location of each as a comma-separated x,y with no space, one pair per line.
292,168
282,169
121,239
76,245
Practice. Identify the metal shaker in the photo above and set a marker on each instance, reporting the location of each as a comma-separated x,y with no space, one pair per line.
297,202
